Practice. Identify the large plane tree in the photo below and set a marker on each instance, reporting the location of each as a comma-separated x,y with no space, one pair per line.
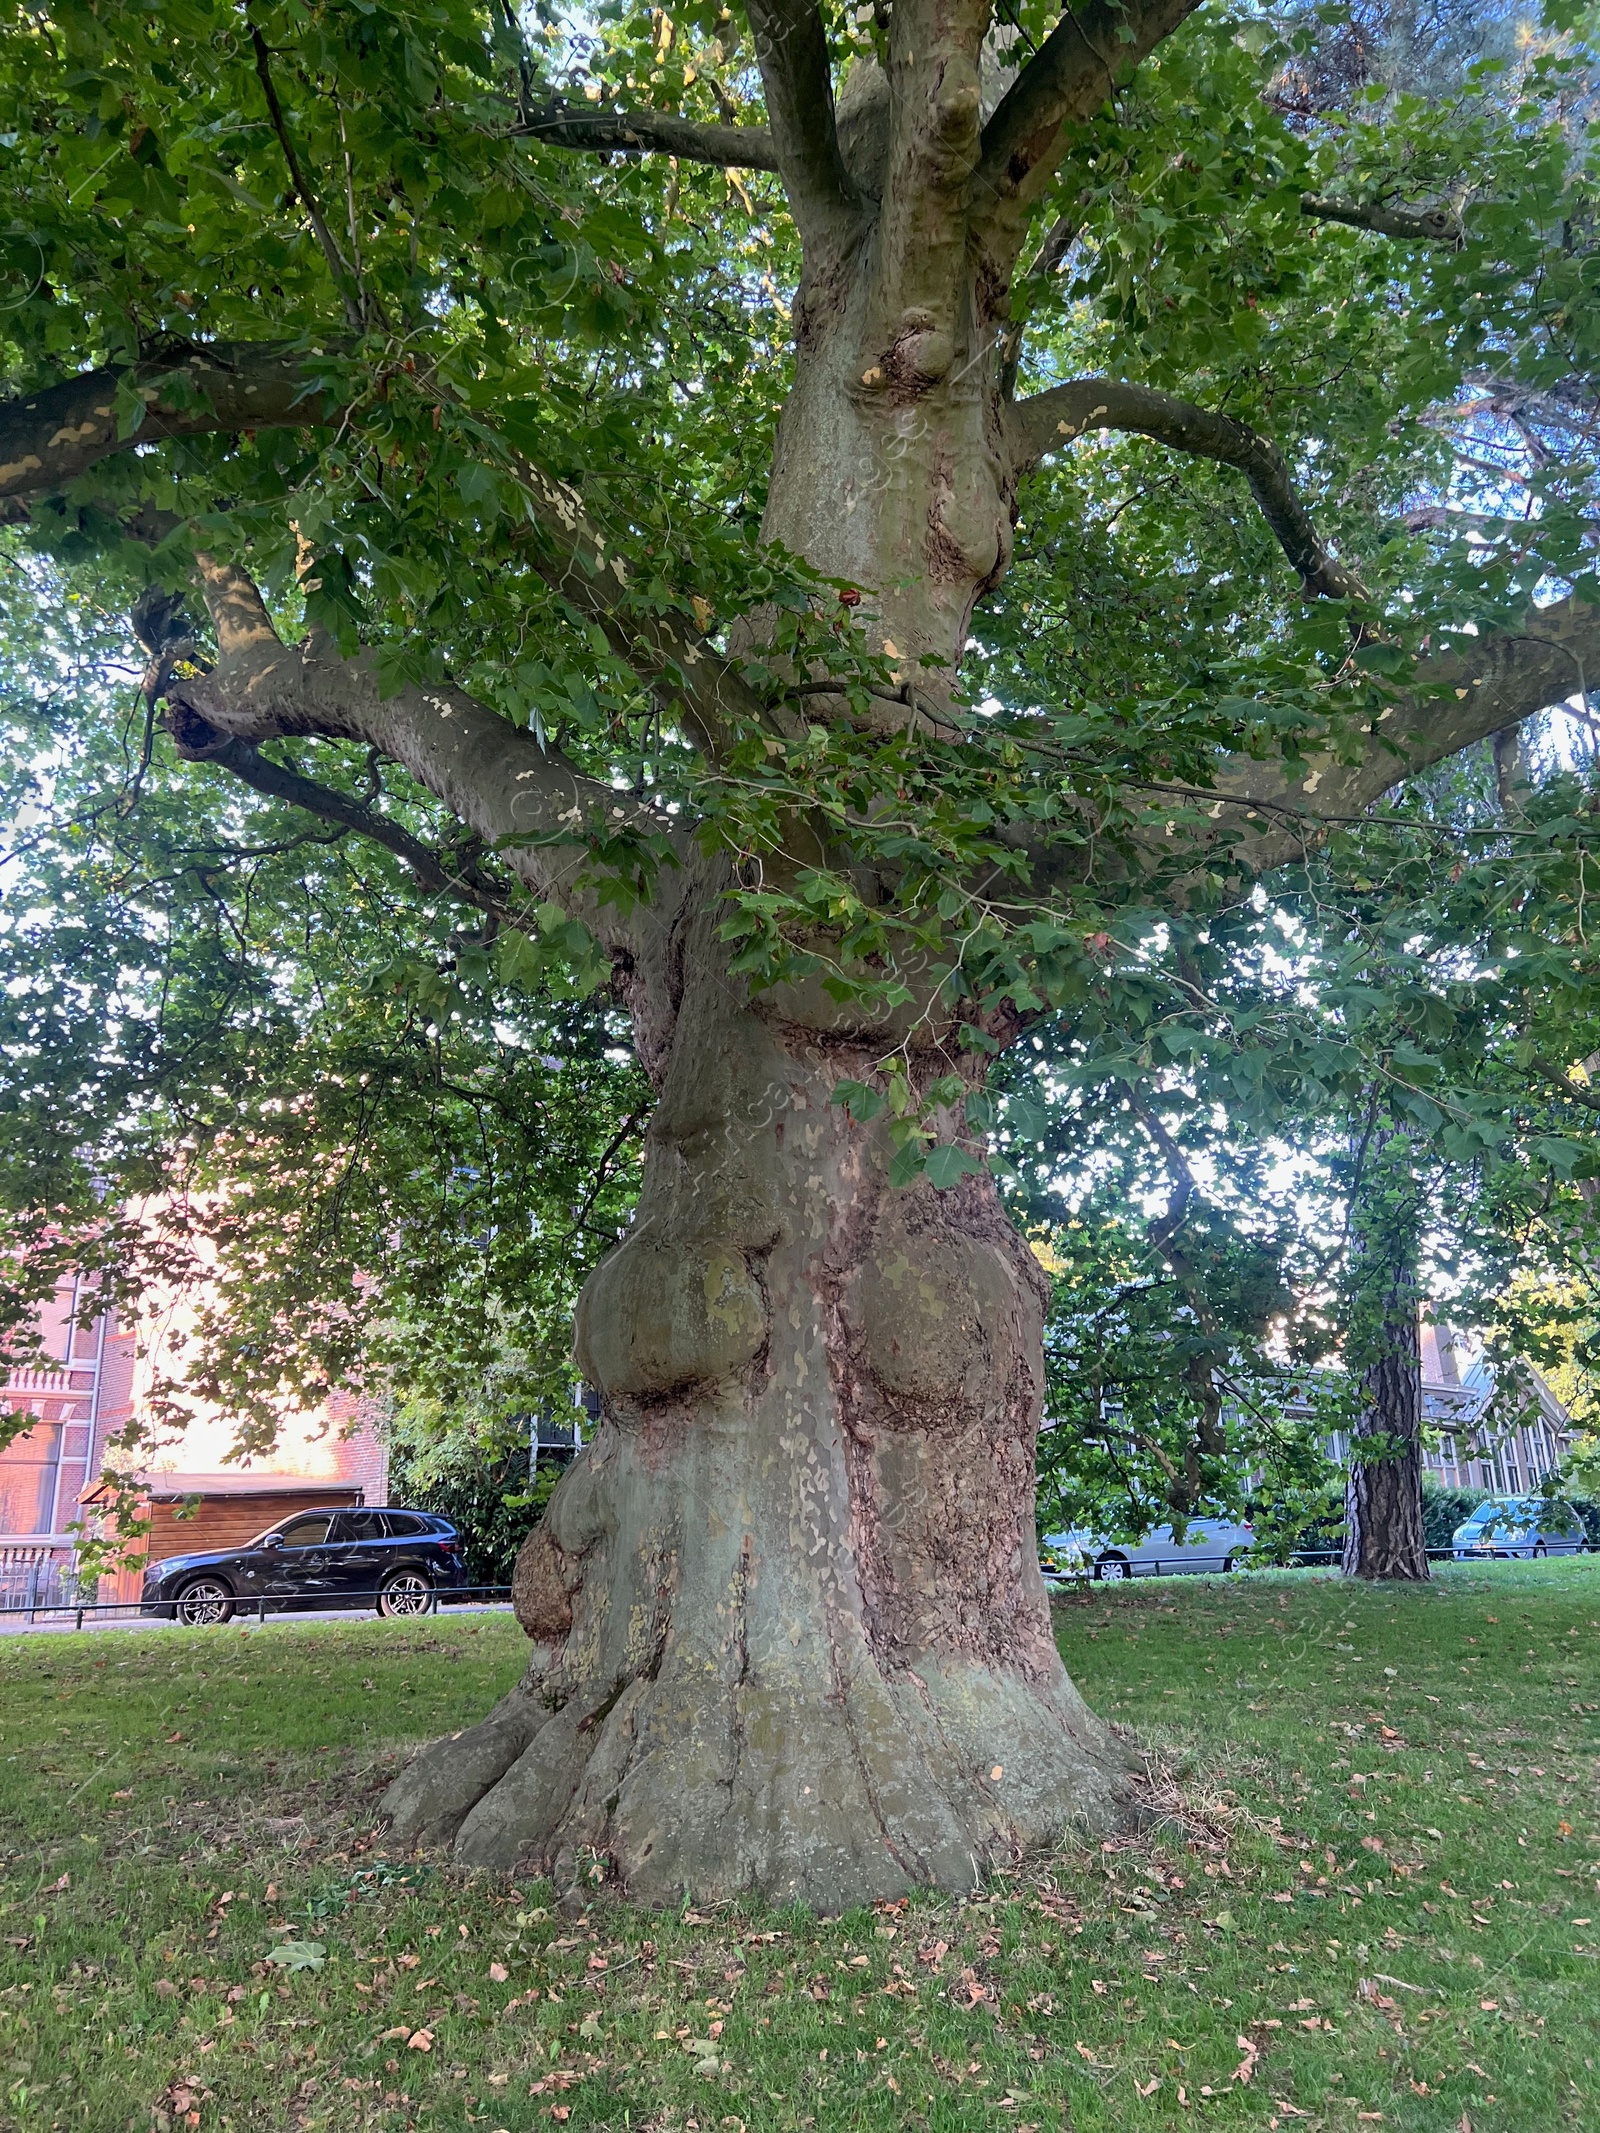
859,531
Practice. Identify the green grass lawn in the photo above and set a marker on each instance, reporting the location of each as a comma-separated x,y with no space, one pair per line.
1381,1908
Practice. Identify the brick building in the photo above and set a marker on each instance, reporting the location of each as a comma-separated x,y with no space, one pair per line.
99,1376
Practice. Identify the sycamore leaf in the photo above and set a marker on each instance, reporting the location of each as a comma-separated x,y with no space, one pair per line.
947,1164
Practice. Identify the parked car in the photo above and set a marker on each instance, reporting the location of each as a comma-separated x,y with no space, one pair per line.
394,1559
1518,1525
1207,1544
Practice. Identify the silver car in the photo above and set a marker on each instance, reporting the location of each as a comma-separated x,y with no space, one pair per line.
1214,1544
1518,1525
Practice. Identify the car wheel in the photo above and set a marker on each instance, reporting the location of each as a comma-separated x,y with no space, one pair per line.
204,1600
1112,1566
406,1592
1539,1548
1230,1564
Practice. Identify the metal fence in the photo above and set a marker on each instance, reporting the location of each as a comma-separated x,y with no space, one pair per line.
36,1576
1102,1571
41,1590
56,1611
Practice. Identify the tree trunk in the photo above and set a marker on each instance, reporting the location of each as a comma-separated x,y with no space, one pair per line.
1383,1491
790,1633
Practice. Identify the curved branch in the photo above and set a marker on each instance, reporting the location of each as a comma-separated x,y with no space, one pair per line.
1425,225
1478,687
1093,48
429,868
652,133
1053,418
338,266
49,438
1589,1098
494,777
797,77
1054,249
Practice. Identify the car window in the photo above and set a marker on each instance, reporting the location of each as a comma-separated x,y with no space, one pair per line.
402,1524
360,1526
1561,1518
307,1532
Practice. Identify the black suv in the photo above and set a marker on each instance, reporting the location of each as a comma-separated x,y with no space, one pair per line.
392,1559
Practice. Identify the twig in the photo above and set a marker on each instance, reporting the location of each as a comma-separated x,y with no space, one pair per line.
337,264
1558,1080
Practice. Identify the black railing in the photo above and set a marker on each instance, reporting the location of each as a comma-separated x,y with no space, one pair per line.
256,1607
1111,1570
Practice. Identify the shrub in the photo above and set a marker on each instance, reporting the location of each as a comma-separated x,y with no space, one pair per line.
493,1506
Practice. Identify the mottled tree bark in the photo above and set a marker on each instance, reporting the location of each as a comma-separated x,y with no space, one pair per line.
790,1634
789,1630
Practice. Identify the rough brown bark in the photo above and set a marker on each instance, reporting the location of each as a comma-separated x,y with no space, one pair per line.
789,1630
1383,1495
1383,1489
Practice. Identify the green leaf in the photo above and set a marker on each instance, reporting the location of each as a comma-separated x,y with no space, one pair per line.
863,1103
907,1161
947,1163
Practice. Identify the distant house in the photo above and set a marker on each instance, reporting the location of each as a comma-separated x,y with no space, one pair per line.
82,1399
1505,1452
1480,1432
1474,1439
102,1367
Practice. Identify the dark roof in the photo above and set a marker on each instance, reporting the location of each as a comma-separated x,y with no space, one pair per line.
169,1488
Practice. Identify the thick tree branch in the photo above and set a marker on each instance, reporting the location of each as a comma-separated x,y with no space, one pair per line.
1054,418
1478,687
796,75
49,438
652,133
493,776
1426,225
247,641
1093,48
1266,817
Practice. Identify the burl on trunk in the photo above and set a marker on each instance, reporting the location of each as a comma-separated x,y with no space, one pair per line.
789,1630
